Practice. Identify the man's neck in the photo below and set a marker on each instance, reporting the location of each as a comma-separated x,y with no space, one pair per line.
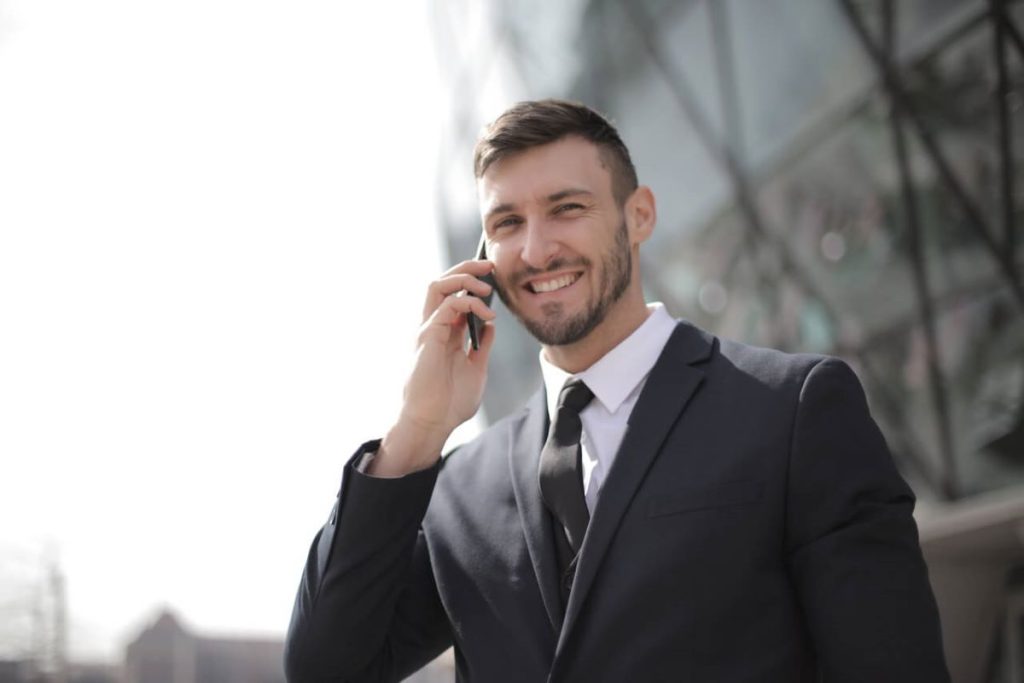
617,325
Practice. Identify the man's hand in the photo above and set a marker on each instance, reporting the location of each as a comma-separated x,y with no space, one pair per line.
447,380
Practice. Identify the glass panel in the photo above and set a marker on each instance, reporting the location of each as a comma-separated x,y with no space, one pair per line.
808,64
920,22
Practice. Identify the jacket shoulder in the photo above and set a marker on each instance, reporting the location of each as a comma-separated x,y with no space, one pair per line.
769,366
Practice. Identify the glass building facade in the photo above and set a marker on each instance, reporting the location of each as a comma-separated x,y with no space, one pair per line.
832,176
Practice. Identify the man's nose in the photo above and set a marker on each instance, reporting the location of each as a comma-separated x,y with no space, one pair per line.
538,247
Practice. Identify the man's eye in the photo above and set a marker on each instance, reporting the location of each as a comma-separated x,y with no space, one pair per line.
563,208
507,222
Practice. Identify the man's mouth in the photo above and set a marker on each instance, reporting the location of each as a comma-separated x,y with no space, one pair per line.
553,284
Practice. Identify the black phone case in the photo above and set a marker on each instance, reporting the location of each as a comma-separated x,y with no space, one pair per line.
475,324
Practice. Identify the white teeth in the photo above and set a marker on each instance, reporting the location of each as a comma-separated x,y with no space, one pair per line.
552,285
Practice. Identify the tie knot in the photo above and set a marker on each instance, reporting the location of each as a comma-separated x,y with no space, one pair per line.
575,396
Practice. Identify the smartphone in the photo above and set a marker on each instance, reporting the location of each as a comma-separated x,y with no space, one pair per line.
474,323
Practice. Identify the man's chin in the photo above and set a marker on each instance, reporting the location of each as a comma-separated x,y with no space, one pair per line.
559,330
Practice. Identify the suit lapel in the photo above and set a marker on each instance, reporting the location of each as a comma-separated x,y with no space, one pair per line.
527,439
669,386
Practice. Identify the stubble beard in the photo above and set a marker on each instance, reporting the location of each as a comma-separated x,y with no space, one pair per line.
554,328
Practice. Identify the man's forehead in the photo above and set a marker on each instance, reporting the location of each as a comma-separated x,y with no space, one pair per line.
541,172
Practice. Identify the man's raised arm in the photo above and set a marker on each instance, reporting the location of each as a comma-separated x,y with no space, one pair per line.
367,607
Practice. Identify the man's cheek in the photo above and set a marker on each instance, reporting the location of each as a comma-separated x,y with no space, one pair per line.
501,287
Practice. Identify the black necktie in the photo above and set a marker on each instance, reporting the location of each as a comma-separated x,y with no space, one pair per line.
561,469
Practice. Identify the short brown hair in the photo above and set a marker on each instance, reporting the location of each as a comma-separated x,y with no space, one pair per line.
540,122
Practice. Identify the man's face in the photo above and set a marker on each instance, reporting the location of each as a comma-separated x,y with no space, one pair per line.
558,239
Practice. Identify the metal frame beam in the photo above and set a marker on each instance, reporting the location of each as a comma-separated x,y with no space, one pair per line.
1001,24
743,191
902,101
948,481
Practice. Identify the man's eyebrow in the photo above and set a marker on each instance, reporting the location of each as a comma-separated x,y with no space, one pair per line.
571,192
500,208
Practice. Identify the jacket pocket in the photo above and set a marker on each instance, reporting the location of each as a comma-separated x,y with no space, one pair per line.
689,499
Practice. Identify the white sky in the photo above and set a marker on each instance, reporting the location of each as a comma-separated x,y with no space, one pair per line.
215,220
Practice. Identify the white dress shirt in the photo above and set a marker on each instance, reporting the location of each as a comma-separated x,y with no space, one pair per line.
616,380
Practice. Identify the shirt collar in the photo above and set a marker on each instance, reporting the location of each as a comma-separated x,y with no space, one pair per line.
616,374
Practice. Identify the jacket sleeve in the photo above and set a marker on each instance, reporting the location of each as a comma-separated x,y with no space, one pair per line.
852,542
367,607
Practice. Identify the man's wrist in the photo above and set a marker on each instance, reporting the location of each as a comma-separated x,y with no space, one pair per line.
406,448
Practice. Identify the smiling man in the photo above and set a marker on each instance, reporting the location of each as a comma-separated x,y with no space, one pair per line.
669,507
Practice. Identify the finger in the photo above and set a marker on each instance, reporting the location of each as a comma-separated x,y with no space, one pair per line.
455,307
472,266
451,284
451,316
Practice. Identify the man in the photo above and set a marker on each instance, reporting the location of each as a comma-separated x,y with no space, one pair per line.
732,513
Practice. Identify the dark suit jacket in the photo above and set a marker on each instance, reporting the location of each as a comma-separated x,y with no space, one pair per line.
752,528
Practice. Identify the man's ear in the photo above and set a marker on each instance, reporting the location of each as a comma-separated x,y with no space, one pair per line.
641,214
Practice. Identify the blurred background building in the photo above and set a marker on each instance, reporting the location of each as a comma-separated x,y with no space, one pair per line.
167,652
164,650
836,177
